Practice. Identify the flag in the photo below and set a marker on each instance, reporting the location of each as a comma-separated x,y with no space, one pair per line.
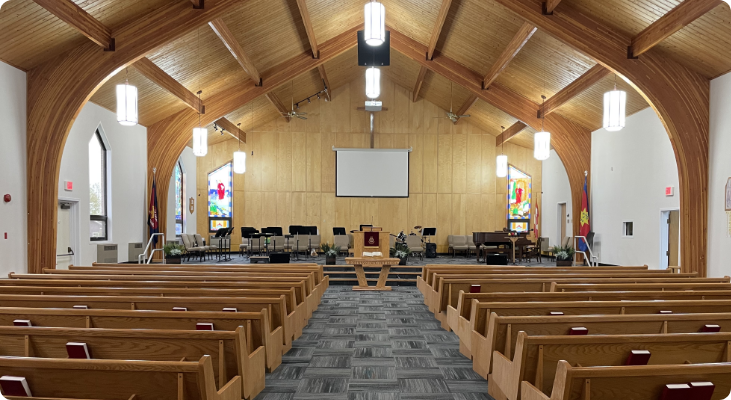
536,232
585,226
152,221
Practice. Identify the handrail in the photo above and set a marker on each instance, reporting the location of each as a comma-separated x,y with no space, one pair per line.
591,253
149,243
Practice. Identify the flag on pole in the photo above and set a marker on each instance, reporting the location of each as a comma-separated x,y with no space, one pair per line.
152,221
536,232
585,226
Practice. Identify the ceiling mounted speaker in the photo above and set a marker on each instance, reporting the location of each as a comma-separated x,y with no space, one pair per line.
374,56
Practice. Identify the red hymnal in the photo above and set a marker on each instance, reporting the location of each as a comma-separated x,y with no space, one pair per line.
665,312
78,350
180,308
579,330
231,309
15,386
81,307
638,357
702,390
475,288
711,328
22,322
556,313
677,391
204,326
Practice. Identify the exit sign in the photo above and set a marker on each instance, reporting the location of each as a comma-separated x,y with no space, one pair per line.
669,191
68,185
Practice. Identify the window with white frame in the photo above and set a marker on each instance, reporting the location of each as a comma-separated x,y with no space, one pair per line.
98,202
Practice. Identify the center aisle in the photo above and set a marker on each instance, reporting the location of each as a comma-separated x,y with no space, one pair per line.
374,346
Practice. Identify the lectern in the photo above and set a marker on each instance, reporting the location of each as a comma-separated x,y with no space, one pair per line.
365,243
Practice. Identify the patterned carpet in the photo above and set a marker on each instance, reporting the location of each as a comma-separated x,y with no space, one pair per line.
374,346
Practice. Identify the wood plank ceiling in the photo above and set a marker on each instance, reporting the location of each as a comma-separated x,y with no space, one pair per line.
475,33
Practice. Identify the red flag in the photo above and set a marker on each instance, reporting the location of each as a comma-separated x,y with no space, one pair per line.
152,221
536,232
585,226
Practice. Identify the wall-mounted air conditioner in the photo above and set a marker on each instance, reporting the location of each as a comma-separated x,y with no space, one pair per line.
106,253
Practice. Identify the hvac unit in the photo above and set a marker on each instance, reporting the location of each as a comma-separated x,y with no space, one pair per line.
135,249
106,253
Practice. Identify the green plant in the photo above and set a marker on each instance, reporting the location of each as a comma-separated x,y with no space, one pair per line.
173,250
400,250
330,251
563,253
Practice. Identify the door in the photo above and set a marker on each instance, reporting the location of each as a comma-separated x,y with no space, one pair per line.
561,222
673,238
64,252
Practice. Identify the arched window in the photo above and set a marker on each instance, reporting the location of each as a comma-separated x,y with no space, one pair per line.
97,188
178,198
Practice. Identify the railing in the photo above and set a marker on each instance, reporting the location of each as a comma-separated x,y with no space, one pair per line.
591,258
143,257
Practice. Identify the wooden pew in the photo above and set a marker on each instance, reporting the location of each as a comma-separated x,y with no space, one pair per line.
628,382
502,331
458,317
256,324
536,357
229,351
612,287
120,380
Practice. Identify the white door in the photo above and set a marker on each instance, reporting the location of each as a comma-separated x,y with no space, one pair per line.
64,258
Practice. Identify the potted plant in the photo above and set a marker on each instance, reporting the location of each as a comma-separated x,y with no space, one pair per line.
400,251
331,253
564,256
173,253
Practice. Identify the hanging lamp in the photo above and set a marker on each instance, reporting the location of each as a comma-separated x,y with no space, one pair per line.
542,139
375,24
127,103
615,105
501,167
200,135
239,156
373,82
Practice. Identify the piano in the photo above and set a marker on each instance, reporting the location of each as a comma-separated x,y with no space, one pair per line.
499,241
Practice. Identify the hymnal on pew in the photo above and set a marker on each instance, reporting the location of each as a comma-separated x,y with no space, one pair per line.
22,322
702,390
230,309
78,350
711,328
204,326
475,288
180,308
81,307
579,330
556,313
15,386
677,391
638,357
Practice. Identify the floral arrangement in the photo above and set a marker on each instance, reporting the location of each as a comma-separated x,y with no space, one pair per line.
564,253
173,250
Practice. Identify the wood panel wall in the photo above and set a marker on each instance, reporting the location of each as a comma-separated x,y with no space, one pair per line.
290,179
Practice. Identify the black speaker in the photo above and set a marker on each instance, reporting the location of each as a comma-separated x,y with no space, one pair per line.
279,258
374,56
431,250
496,259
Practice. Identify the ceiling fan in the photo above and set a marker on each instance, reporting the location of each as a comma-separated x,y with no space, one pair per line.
450,114
292,113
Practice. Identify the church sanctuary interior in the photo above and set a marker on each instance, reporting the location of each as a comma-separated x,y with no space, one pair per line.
365,200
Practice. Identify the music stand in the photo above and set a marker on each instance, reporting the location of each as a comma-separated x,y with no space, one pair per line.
224,236
338,231
427,233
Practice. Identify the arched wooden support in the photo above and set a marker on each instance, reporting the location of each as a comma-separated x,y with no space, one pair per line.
59,89
167,138
680,97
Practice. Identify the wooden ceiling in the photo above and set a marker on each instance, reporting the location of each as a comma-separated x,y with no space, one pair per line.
475,33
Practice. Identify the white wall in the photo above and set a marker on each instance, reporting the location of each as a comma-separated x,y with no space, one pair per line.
719,242
127,179
13,250
188,160
629,172
556,190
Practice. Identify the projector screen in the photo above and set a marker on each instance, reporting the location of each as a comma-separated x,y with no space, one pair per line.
372,172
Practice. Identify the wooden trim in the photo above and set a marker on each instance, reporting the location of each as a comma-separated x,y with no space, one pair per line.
232,129
466,106
165,81
679,95
419,82
229,40
437,31
675,20
516,44
274,99
325,81
550,5
68,12
510,133
585,81
198,4
302,5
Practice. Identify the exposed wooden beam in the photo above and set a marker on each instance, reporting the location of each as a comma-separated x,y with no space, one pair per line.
229,40
325,81
302,5
198,4
466,106
231,128
585,81
509,133
516,44
549,6
165,81
677,18
70,13
274,99
419,82
437,31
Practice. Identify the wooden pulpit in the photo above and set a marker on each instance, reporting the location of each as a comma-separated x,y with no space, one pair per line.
365,243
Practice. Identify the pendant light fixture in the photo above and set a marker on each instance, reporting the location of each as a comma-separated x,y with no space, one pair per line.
501,167
373,82
542,139
239,156
200,134
375,24
127,103
615,103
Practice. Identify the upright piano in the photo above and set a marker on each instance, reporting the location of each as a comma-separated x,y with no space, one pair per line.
499,242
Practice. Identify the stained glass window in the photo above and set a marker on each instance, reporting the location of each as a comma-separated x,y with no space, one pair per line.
519,200
178,199
220,197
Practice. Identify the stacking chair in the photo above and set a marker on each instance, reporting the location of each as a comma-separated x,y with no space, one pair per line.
190,248
300,243
313,243
470,244
343,242
415,245
277,243
202,243
458,243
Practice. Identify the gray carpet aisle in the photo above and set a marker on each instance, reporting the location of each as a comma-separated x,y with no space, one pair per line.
374,346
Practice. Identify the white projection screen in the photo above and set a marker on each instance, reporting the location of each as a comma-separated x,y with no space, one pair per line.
372,172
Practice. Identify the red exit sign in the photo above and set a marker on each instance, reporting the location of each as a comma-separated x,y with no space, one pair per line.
68,185
669,191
